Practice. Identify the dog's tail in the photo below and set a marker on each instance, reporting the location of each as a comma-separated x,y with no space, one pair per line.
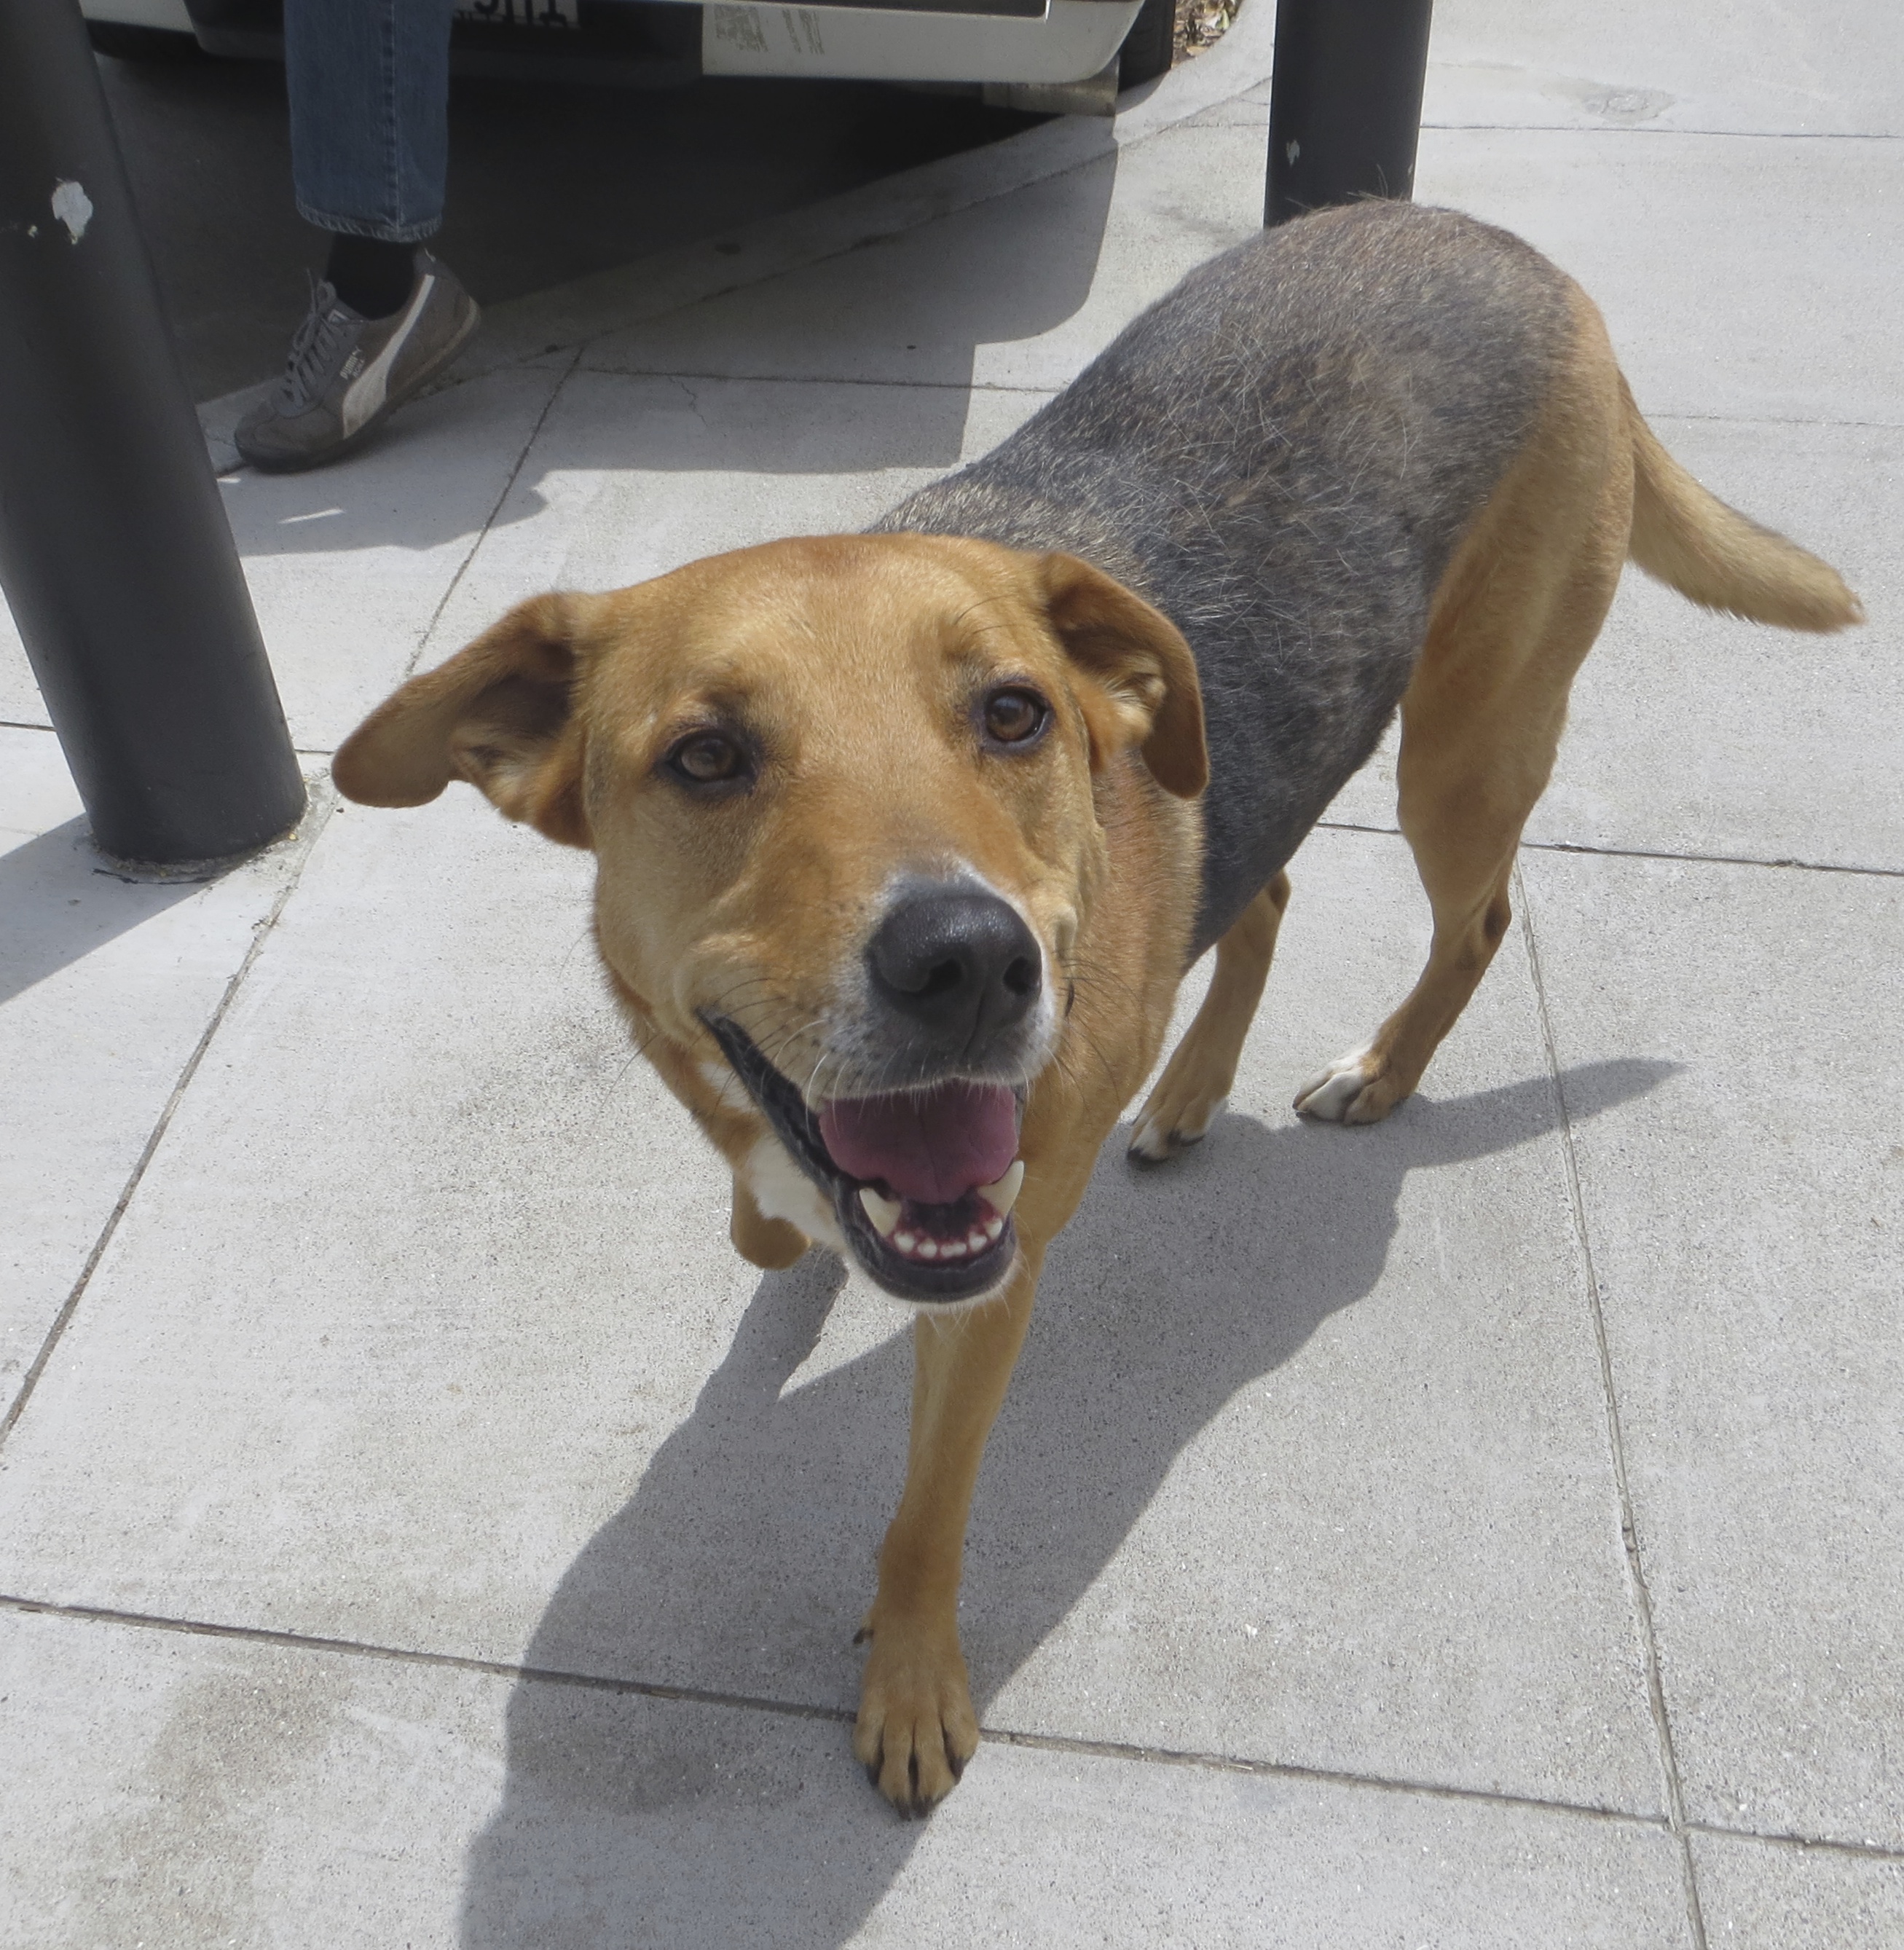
1719,557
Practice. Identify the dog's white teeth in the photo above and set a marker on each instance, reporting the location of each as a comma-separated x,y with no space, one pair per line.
907,1242
883,1212
928,1249
975,1240
994,1226
1003,1195
953,1249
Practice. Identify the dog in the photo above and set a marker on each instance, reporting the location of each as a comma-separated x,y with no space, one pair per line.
905,839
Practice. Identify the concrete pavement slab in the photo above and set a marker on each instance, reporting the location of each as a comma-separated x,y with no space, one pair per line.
630,477
1693,732
1020,291
1749,277
1756,66
106,984
1761,1895
425,1332
1745,1221
175,1791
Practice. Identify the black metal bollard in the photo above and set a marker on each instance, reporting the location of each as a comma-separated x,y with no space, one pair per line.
1345,102
115,555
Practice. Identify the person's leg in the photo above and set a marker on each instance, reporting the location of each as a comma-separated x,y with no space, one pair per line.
371,274
369,87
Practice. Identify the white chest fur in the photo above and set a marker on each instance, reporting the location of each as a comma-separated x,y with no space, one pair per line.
783,1191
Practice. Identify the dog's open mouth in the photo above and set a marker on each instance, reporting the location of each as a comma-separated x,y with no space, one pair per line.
922,1181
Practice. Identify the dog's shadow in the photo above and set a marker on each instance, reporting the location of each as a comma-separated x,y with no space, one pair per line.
741,1564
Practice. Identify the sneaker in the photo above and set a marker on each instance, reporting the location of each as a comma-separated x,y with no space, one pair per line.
346,372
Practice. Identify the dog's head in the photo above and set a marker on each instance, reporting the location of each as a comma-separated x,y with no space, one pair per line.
841,795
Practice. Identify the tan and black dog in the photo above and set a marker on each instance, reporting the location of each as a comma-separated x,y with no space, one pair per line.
904,842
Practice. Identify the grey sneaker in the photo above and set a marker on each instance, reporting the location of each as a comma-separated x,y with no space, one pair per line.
346,372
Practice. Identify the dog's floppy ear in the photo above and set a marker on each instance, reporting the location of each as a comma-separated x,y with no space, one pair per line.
1141,684
497,714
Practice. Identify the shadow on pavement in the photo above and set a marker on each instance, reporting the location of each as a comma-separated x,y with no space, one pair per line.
622,1821
60,903
991,284
546,182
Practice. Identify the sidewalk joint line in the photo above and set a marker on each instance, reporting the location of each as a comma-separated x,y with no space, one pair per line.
1869,1852
482,534
19,724
318,811
696,1695
1128,1751
491,1668
1615,1438
967,386
1714,859
1774,419
1647,853
1114,1750
1601,128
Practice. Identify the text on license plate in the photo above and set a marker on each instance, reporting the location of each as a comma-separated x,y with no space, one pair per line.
519,13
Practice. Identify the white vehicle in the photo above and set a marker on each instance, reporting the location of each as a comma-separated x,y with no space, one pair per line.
1052,56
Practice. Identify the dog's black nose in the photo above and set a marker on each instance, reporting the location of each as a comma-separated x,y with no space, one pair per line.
957,962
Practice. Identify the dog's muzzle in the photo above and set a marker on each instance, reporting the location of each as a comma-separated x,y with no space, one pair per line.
921,1183
923,1177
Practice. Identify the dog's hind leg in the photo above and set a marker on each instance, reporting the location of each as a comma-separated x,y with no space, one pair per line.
1518,609
1203,1066
1462,809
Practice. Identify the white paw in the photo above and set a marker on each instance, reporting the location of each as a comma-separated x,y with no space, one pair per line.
1163,1132
1328,1097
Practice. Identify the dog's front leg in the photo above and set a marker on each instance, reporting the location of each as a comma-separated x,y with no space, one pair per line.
916,1729
772,1244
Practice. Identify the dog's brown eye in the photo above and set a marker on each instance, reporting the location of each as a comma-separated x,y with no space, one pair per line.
1013,716
708,758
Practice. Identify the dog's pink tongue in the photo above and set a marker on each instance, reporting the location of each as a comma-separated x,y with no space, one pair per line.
934,1146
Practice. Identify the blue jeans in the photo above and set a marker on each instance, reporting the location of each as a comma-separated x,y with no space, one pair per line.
369,85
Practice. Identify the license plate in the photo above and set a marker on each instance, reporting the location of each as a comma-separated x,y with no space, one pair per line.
519,13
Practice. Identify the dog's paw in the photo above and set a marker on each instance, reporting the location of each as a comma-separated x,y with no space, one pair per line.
916,1729
1162,1132
1176,1115
1357,1088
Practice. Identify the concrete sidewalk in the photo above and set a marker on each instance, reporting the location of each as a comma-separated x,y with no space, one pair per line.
418,1528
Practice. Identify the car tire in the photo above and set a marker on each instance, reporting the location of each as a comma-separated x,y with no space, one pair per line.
123,42
1151,44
